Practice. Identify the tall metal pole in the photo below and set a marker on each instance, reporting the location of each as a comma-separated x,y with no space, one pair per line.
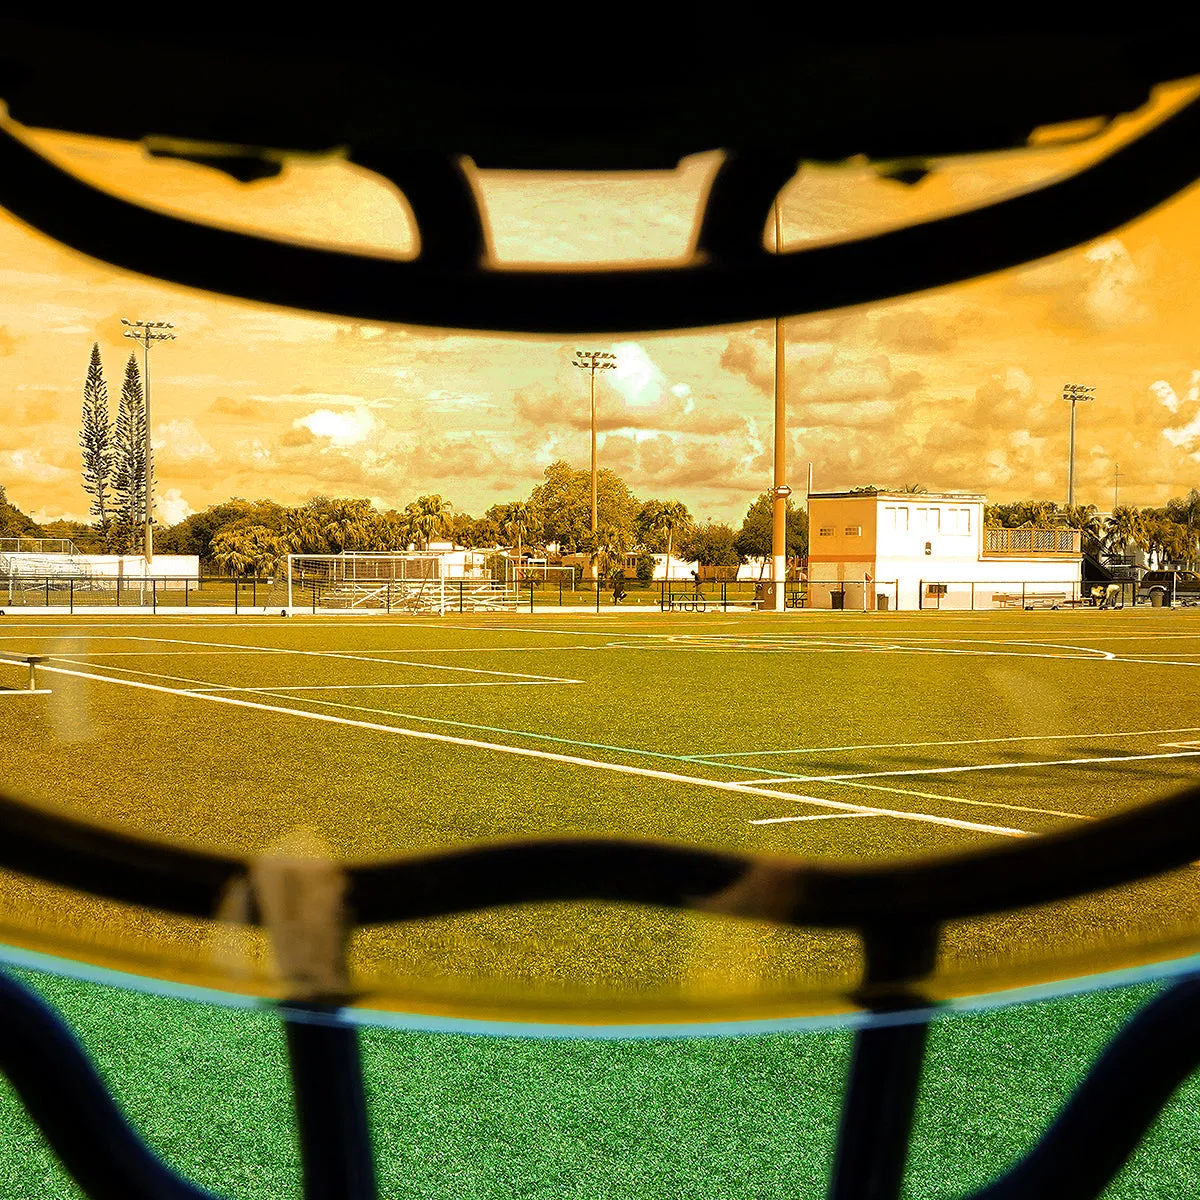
593,361
780,491
148,537
147,332
1076,393
594,479
1071,467
1116,483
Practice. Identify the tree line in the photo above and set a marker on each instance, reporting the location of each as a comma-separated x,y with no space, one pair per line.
1170,534
250,536
244,536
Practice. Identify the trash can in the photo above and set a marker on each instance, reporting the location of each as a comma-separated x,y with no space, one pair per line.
837,599
1156,599
881,603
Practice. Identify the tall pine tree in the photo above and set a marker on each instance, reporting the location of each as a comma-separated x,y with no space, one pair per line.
96,442
129,463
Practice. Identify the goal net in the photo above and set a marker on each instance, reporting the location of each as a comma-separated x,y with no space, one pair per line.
403,582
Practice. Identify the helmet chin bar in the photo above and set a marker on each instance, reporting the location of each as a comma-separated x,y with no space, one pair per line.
731,277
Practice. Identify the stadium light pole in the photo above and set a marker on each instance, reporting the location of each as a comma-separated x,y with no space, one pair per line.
593,361
780,490
148,332
1076,393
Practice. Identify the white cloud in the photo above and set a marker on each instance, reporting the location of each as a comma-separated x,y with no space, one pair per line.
342,429
172,507
1169,398
30,465
637,378
181,439
1187,435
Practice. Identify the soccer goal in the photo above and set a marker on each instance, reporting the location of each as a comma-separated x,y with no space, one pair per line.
402,582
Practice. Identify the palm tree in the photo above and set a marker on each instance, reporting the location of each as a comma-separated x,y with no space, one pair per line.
1037,513
515,524
429,516
232,551
1166,540
673,516
1186,512
1126,527
1086,518
396,531
915,489
609,550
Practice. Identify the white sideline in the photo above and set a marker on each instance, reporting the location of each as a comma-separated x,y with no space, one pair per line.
1058,762
1025,737
548,756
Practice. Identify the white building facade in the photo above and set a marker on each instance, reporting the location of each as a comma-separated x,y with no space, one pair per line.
930,550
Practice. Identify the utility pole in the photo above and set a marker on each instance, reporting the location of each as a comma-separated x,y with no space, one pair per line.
593,361
148,332
1076,393
1116,484
780,491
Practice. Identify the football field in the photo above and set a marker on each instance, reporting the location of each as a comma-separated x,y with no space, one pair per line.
832,736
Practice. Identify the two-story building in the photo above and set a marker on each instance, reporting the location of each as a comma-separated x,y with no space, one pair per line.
931,550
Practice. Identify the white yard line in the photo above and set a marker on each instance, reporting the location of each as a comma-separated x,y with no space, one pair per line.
396,662
246,653
361,687
1031,737
1006,766
1043,812
544,755
809,817
62,658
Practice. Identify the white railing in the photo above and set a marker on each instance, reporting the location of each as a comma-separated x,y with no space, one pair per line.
27,564
1031,541
32,545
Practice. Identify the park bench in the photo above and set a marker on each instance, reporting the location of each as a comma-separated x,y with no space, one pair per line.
1031,599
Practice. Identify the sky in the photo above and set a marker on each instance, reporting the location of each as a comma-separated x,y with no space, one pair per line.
958,388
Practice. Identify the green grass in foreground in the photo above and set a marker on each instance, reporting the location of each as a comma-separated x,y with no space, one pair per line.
501,1117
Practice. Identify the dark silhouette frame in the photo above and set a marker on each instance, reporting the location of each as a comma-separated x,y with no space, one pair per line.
244,106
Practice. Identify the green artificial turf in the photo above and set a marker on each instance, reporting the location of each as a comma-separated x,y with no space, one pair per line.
1039,708
480,1117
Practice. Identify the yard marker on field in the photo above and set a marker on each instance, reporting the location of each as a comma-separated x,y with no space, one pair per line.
544,755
